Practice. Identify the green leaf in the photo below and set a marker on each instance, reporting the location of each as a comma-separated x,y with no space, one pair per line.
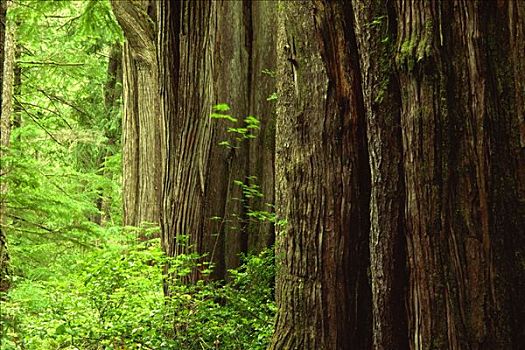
225,143
62,329
252,122
223,116
221,107
272,97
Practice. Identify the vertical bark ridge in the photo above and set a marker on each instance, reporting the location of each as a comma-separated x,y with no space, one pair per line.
193,138
375,25
169,26
506,200
130,150
262,82
211,48
516,23
230,79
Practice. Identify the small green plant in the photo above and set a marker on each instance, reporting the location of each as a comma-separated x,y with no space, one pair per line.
245,131
272,97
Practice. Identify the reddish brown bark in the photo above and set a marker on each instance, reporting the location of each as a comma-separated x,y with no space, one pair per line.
207,56
374,25
443,91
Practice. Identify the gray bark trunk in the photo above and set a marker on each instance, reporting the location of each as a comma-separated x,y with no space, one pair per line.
142,141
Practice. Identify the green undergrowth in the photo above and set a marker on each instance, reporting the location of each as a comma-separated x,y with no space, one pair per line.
111,297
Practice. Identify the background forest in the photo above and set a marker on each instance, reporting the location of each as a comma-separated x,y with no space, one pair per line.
281,175
79,278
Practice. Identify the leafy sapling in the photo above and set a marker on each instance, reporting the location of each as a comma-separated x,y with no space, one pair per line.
245,131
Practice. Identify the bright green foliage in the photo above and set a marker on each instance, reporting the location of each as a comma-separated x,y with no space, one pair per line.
112,298
272,97
65,143
240,130
64,48
249,187
236,315
93,300
64,157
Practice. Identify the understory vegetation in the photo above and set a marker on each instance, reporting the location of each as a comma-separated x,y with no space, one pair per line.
111,297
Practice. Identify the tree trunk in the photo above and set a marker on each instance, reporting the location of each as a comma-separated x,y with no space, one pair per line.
261,152
112,95
442,86
400,148
322,188
458,67
7,62
207,56
141,122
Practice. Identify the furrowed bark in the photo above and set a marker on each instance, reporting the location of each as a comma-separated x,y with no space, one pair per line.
261,156
226,238
142,141
460,142
206,53
322,182
187,35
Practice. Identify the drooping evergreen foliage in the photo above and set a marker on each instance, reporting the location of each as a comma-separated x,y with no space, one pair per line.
61,130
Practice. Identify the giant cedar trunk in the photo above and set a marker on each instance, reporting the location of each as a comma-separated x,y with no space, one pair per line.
443,92
322,182
7,59
207,56
141,121
455,98
263,63
459,123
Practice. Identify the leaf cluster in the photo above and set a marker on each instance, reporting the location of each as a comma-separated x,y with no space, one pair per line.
240,130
